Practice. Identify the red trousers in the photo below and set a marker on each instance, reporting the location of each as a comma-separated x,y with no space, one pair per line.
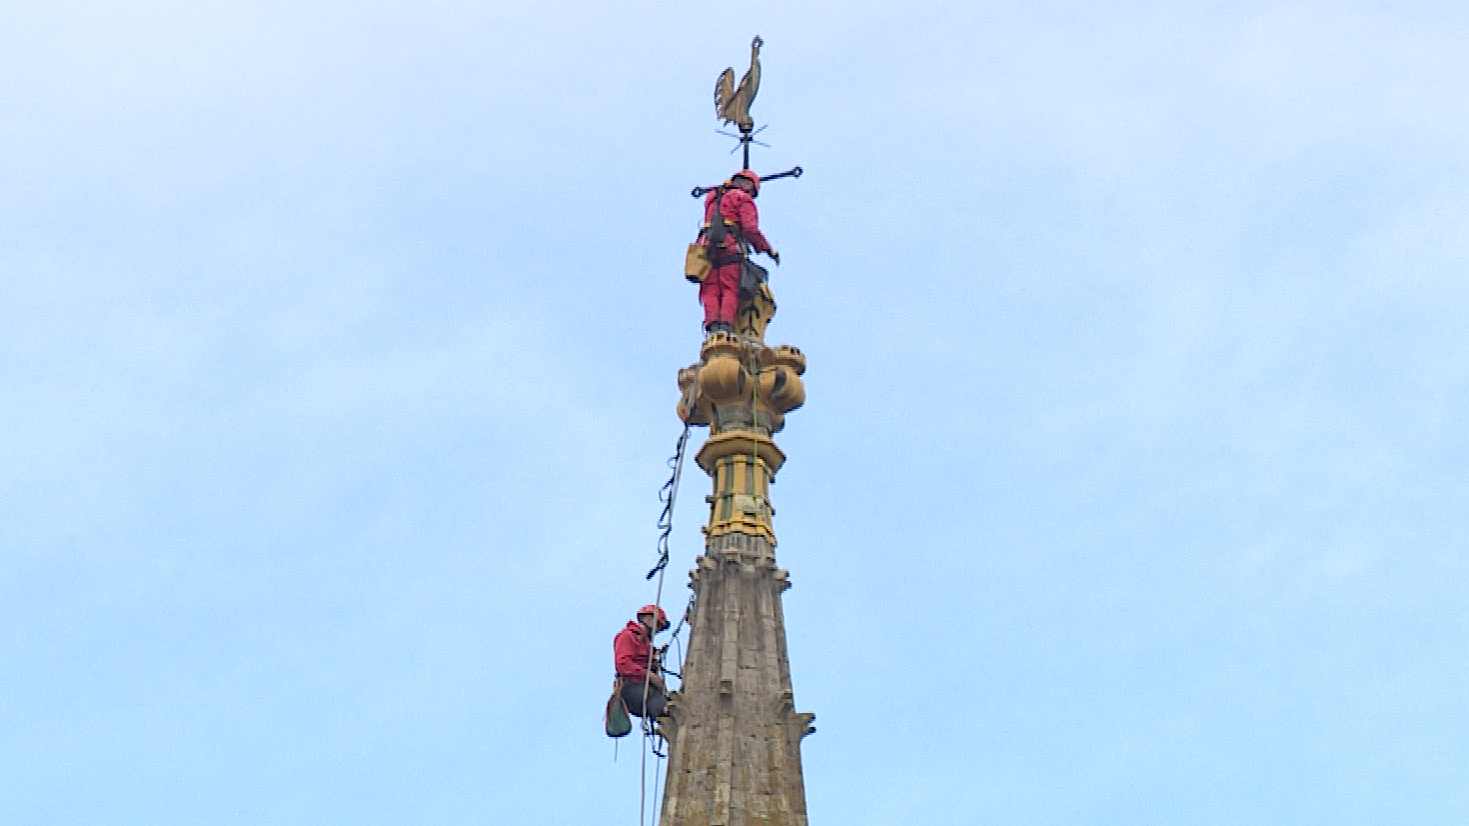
719,292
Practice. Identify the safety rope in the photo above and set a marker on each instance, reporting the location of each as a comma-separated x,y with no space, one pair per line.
643,780
668,495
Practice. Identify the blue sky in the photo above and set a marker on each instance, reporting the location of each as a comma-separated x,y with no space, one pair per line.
338,344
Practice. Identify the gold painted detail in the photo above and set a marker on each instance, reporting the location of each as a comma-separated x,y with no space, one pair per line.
739,384
742,466
728,444
742,389
752,316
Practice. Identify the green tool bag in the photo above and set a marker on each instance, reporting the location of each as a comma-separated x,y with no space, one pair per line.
617,722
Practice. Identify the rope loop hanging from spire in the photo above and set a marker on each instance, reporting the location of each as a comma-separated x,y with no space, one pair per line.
668,494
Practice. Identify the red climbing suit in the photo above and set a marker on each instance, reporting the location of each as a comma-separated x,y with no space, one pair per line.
630,651
719,292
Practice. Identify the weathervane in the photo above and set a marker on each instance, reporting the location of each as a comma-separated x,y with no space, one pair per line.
732,105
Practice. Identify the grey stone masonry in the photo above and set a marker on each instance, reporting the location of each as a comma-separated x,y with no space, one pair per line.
735,736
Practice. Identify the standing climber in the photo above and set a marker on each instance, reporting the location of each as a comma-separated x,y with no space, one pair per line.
735,203
639,668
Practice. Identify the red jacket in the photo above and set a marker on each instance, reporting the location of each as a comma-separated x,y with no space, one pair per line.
738,207
630,651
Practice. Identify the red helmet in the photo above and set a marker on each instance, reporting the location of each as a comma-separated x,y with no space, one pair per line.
747,173
653,609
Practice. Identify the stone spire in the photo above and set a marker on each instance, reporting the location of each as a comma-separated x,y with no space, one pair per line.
735,736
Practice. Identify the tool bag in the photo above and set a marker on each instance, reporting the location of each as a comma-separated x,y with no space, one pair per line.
703,256
615,720
752,275
696,265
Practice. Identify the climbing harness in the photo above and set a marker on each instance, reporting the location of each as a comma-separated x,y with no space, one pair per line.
712,236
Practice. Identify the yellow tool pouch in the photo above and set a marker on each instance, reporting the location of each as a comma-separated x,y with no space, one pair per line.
696,263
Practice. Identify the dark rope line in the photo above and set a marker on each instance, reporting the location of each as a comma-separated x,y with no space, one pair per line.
667,494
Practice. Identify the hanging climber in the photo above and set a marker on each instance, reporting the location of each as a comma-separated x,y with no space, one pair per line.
729,243
639,668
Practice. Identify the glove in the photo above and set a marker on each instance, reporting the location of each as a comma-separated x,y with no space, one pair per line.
774,256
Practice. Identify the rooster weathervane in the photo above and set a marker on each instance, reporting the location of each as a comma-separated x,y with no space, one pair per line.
732,106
